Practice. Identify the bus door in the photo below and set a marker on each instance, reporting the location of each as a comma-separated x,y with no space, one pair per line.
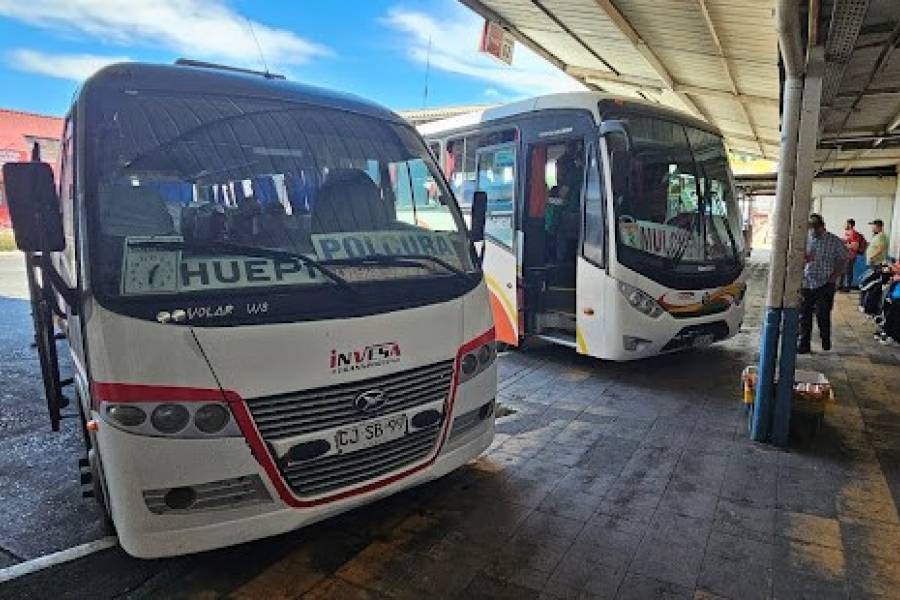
496,168
591,276
552,225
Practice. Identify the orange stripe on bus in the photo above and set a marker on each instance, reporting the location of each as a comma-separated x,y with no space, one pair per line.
502,324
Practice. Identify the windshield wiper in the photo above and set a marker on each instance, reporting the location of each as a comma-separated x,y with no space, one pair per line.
241,249
401,260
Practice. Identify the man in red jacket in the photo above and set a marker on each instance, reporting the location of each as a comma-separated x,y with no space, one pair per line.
852,240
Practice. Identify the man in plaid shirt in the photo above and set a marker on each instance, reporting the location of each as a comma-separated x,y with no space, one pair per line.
826,261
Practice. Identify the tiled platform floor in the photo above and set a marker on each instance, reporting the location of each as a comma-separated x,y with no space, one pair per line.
619,481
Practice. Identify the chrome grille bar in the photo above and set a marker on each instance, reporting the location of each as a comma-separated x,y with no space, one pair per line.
334,472
288,415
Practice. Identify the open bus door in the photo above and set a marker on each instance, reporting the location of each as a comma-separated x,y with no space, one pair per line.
37,223
496,168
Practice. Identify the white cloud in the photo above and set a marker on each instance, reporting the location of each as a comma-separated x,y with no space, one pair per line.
77,67
205,29
454,48
491,93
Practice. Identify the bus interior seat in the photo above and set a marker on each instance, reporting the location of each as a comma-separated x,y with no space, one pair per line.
350,201
134,211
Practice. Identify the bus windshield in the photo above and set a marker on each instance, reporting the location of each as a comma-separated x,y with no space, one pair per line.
203,192
674,202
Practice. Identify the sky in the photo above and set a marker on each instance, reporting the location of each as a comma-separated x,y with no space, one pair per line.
377,49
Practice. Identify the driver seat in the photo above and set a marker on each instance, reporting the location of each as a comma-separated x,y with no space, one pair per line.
349,201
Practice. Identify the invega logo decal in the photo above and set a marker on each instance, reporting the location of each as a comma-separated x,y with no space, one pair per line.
373,355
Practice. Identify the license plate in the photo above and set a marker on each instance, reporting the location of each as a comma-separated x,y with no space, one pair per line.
703,340
370,433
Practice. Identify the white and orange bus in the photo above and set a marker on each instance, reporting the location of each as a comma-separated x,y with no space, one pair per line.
612,225
273,307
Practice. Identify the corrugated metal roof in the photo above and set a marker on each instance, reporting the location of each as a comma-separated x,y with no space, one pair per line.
716,59
861,101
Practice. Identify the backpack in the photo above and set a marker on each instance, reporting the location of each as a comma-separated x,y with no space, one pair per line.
863,244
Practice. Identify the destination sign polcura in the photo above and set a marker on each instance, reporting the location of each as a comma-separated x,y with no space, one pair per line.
335,246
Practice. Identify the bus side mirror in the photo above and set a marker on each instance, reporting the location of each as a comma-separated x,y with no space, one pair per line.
33,207
479,216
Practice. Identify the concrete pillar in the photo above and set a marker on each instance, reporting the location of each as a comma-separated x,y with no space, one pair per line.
787,23
806,152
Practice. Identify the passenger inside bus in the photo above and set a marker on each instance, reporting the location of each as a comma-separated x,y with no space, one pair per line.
561,216
556,177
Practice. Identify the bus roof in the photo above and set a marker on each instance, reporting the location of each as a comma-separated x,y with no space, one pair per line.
589,101
209,79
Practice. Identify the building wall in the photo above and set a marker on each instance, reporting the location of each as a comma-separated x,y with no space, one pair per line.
859,198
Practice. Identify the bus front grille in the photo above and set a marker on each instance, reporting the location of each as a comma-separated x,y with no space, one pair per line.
314,477
305,412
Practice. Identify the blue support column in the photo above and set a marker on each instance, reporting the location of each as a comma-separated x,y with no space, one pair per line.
761,419
784,390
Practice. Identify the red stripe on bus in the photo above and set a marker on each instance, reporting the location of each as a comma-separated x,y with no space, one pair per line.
134,392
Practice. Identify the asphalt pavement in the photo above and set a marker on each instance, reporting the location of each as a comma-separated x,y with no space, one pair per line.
40,493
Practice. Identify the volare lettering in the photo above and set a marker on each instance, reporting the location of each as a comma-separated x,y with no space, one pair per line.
209,312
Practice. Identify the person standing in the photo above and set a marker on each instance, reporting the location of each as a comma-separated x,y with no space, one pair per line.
826,261
853,242
876,253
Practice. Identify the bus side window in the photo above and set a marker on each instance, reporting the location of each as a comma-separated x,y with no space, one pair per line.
594,222
67,198
455,171
497,177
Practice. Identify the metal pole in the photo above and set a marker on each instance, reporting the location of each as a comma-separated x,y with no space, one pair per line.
788,25
805,170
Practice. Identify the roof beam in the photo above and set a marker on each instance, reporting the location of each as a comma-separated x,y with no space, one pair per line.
742,98
625,28
732,83
655,85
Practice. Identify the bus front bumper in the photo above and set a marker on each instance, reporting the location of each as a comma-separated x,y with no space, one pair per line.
140,470
646,337
144,534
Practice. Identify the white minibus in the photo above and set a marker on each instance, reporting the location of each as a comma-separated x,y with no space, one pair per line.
272,304
612,225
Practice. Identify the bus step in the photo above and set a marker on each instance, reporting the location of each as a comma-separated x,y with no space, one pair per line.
66,381
59,335
558,299
560,338
86,478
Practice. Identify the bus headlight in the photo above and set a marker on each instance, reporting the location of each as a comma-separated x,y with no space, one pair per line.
127,415
211,418
170,418
641,300
475,361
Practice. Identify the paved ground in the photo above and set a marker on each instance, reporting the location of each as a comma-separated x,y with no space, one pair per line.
40,497
608,481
